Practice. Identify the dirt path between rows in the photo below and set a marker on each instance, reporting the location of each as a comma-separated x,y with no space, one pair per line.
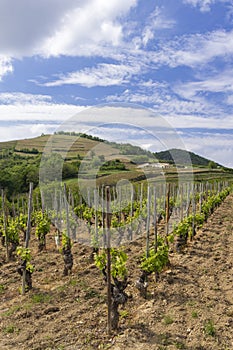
191,307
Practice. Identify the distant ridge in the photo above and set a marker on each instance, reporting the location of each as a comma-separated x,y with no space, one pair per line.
84,142
183,157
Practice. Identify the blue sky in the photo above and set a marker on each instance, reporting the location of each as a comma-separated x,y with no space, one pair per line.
171,58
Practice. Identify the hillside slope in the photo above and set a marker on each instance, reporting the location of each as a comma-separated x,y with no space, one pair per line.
180,156
191,307
81,144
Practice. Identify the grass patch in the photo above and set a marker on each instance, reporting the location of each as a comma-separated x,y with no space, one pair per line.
168,319
90,294
73,283
191,303
124,313
194,314
40,298
179,345
10,329
12,310
164,339
103,346
62,288
209,328
83,284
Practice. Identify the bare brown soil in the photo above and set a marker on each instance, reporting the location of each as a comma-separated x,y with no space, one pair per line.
191,307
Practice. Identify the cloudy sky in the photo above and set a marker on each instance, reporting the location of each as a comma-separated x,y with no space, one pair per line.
173,58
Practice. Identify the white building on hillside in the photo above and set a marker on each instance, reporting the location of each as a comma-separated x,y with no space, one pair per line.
154,165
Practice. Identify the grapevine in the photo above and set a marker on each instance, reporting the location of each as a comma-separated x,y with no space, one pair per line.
152,262
25,265
67,254
42,228
12,235
22,224
119,274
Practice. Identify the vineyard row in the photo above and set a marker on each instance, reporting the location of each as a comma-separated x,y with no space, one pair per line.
164,216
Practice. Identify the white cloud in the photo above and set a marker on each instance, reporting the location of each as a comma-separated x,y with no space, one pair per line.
204,5
58,27
102,75
200,122
22,131
214,146
147,35
25,24
140,96
177,107
97,27
165,99
20,98
40,128
88,29
157,21
35,113
229,99
153,84
197,91
6,66
195,50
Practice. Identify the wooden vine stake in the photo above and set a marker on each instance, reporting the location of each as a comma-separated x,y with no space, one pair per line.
56,220
13,207
4,225
119,196
188,200
155,223
131,212
201,197
27,233
181,202
29,215
155,230
193,211
103,217
96,200
108,239
148,222
140,216
167,210
67,212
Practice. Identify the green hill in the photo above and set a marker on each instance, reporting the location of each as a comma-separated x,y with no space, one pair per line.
80,144
183,157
